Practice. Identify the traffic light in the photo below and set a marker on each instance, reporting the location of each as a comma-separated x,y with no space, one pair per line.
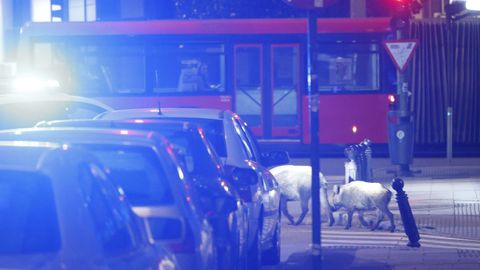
402,12
59,10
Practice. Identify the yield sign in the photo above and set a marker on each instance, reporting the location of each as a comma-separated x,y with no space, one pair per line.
401,52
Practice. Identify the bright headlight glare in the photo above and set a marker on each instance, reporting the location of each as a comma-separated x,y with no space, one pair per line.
35,84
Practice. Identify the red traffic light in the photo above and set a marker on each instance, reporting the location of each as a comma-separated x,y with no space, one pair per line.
402,12
410,6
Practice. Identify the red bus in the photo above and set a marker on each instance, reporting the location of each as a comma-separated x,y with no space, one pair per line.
255,67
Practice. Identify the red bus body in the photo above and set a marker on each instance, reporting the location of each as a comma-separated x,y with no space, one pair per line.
262,70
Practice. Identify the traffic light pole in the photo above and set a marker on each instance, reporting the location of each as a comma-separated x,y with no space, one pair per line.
403,105
314,137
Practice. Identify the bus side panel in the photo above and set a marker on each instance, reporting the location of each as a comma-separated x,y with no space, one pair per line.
130,102
348,119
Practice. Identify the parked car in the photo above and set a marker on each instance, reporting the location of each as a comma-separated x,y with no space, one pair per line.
241,156
17,110
143,164
59,210
230,224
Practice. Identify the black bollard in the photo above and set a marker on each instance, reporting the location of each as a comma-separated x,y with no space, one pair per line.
358,161
406,213
363,161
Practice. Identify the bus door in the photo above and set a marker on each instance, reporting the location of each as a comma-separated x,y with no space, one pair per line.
285,90
248,85
266,89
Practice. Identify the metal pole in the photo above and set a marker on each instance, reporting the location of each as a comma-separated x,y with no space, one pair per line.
449,135
314,136
404,110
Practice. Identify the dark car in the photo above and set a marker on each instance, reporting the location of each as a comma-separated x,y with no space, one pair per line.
243,161
59,210
229,221
145,166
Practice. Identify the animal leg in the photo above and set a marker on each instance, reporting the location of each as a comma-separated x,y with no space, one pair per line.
349,220
326,207
331,220
380,219
304,206
390,216
362,219
283,206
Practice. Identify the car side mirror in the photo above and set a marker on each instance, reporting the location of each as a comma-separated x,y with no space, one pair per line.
275,158
244,177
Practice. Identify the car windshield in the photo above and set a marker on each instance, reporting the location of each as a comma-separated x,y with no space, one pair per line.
27,114
28,217
137,171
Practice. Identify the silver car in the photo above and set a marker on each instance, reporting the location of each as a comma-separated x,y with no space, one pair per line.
241,156
60,211
25,110
229,218
143,164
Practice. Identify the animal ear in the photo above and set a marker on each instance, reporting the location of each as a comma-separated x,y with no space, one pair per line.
336,189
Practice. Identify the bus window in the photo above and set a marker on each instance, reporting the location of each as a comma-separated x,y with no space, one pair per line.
92,69
111,69
50,62
188,68
349,67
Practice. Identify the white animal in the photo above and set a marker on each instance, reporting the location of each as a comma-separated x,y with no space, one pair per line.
363,196
295,185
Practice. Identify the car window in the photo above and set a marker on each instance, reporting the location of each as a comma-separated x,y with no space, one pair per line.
120,206
252,141
245,142
28,217
112,223
138,171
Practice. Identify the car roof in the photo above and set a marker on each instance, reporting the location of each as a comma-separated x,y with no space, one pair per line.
123,123
86,135
23,155
200,113
42,97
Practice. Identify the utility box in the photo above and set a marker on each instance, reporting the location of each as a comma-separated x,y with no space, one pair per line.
400,137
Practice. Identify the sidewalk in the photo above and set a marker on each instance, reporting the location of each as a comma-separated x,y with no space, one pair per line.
423,167
385,258
445,201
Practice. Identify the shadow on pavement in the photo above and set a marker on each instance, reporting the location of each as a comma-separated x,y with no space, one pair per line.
332,260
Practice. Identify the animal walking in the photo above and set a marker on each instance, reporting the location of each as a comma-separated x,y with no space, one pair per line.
295,185
363,196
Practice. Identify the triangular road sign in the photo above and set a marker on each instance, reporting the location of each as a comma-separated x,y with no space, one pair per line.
401,51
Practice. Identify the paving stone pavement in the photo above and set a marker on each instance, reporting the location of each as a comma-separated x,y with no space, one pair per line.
447,213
